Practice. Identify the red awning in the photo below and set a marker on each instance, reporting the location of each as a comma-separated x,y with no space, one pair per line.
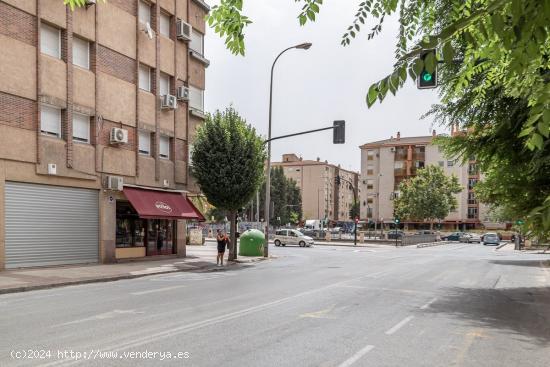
152,204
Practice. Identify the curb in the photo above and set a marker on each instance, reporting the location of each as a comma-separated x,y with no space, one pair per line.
432,244
28,288
501,246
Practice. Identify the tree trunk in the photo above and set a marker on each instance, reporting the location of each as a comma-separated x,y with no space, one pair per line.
431,225
233,230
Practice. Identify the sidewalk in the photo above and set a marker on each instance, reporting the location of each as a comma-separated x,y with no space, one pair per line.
199,258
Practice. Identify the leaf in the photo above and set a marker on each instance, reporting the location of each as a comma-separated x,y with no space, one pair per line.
372,95
448,52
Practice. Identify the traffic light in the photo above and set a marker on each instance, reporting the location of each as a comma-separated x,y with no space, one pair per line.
396,220
339,132
428,76
520,222
337,180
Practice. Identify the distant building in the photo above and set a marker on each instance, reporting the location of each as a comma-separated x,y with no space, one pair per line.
385,163
321,197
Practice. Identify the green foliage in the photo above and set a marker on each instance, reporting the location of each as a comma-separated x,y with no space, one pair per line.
226,20
354,212
285,196
427,196
216,215
76,3
228,160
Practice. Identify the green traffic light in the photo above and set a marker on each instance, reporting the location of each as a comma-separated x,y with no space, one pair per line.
427,77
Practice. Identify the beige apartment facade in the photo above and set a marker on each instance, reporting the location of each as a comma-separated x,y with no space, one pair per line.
98,108
321,196
385,163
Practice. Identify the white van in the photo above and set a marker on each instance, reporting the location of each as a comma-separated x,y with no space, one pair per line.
291,237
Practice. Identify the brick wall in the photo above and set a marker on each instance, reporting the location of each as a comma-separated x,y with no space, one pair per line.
105,134
17,111
180,150
129,6
115,64
17,24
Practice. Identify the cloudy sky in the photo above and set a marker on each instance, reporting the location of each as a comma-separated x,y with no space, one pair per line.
312,88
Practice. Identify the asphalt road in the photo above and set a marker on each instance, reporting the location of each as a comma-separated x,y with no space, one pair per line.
452,305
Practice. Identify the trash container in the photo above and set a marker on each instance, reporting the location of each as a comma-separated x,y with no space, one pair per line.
252,243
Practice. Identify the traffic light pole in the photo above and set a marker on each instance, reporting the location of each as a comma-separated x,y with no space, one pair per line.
301,133
338,178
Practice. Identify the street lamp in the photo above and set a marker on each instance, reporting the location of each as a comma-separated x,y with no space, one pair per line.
301,46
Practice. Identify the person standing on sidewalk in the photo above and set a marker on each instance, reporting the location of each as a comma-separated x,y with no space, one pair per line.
221,239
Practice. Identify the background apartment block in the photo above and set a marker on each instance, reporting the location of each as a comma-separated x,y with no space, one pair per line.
321,197
385,163
82,106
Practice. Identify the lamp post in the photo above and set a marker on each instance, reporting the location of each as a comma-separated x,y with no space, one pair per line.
301,46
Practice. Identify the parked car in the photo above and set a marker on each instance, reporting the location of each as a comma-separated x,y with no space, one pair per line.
491,239
392,235
470,237
455,236
425,231
285,237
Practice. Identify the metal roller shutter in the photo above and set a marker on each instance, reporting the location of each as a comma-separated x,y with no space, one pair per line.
50,225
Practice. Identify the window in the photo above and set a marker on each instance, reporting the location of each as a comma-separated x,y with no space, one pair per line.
471,183
369,212
370,200
370,184
144,142
197,42
81,128
419,164
472,169
50,41
144,12
196,98
370,155
472,213
164,151
450,163
164,84
165,25
441,163
81,53
145,77
370,169
472,198
50,121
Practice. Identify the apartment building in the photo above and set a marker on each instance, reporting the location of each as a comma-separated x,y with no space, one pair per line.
98,109
385,163
321,196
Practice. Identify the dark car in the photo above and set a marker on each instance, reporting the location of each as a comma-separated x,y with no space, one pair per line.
453,236
392,235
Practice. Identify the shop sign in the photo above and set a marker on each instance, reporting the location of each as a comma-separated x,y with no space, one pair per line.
163,207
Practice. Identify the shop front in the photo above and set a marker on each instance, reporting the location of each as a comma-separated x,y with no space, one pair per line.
147,222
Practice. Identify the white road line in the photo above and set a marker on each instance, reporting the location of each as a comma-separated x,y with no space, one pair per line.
157,290
354,358
113,346
399,325
428,304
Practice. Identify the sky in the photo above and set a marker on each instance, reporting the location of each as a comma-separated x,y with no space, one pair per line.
315,87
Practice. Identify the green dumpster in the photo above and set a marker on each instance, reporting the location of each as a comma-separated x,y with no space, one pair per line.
252,243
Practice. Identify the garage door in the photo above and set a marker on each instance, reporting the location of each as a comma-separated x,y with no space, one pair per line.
50,225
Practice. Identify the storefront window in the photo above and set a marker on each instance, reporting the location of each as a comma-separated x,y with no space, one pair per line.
160,237
130,229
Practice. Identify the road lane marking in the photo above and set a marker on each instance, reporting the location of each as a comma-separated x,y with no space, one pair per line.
423,307
139,341
399,325
157,290
101,316
322,314
354,358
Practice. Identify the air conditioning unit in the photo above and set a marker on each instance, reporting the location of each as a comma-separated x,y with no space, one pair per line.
119,136
183,30
169,101
115,183
182,93
166,183
90,2
52,169
394,195
392,150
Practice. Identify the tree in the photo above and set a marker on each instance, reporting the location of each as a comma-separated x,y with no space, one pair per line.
427,196
285,198
228,162
492,56
354,212
216,215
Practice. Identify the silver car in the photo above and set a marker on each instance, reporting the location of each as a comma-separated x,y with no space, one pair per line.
470,237
285,237
491,239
